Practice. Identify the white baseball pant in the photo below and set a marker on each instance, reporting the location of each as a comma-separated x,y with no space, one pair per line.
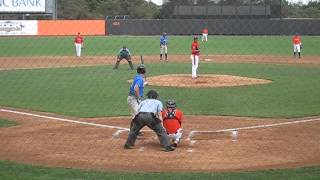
133,105
78,49
195,63
176,137
204,37
163,49
296,48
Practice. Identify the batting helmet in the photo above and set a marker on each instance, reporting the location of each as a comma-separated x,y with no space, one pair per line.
171,103
141,69
152,94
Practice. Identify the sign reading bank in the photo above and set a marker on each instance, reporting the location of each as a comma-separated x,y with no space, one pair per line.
22,5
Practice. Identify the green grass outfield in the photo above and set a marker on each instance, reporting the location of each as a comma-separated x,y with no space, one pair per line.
146,45
101,91
28,172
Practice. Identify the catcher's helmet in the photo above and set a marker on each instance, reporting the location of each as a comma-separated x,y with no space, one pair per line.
141,69
171,103
152,94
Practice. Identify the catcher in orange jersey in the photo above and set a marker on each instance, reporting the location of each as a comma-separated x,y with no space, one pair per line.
172,119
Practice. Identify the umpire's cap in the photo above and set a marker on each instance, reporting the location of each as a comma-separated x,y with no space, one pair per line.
171,103
152,94
141,69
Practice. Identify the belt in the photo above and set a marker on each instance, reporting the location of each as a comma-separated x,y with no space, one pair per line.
151,113
131,94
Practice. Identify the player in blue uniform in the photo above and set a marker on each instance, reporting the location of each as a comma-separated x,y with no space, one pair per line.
164,46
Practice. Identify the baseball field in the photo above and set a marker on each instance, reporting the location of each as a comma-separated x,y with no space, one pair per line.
62,117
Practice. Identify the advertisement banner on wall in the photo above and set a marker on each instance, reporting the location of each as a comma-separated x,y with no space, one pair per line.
22,5
10,28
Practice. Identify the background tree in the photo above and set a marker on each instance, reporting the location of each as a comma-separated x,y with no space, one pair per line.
99,9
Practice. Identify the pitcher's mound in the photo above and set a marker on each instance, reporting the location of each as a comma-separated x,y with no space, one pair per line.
203,81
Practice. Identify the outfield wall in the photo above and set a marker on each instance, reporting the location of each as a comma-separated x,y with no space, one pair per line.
51,27
71,27
215,26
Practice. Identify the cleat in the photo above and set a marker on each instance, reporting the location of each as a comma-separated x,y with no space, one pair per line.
169,148
174,145
126,146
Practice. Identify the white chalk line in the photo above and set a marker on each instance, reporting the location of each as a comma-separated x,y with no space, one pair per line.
191,134
65,120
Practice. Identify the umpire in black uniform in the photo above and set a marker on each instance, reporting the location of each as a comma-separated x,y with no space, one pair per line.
149,114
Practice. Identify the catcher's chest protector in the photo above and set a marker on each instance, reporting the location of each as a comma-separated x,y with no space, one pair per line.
171,114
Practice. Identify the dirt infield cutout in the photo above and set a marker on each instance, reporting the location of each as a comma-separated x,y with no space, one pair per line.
55,140
203,81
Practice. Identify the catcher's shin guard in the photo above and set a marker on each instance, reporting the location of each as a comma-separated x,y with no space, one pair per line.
116,65
131,65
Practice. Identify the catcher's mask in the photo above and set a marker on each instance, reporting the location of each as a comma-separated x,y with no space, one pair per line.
171,103
152,94
141,69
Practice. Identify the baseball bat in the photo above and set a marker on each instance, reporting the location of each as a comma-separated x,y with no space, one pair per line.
142,62
141,58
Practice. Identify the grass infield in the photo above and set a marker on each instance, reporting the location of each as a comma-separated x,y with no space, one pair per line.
101,91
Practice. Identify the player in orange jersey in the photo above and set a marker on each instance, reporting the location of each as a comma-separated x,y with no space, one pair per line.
297,45
205,33
172,119
78,43
195,53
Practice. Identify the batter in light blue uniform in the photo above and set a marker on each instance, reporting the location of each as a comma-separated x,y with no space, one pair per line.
149,115
136,91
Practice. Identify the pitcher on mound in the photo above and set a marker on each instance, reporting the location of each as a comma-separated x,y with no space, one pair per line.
195,52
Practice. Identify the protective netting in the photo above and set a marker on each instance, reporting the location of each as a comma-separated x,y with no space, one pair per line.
251,103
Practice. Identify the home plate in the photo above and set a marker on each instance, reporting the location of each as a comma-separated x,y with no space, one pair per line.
190,150
141,149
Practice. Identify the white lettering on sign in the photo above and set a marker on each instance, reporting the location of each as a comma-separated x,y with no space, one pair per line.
12,28
116,23
22,5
